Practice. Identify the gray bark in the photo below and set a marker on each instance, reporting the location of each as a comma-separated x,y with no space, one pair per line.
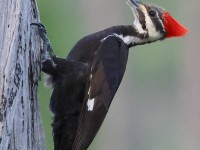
20,67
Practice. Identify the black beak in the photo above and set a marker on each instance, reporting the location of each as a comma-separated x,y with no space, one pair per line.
135,2
135,6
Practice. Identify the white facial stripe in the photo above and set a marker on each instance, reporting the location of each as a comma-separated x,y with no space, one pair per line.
90,104
138,26
153,34
160,21
136,22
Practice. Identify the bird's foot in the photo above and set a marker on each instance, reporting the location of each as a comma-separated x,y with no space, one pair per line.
47,48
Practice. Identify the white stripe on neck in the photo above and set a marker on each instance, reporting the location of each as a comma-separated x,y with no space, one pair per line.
126,39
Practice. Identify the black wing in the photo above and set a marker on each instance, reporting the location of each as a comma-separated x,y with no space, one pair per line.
106,74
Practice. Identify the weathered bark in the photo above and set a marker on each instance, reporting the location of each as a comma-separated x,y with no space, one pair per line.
20,120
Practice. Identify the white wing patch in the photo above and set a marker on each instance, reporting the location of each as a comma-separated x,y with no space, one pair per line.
90,104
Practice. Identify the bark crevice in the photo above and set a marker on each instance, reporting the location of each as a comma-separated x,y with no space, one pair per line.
20,67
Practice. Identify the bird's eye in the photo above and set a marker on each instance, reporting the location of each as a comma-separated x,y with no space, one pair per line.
152,13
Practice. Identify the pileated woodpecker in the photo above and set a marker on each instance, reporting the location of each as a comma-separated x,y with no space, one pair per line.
85,83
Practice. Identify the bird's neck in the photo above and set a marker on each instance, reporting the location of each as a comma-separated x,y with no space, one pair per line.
131,35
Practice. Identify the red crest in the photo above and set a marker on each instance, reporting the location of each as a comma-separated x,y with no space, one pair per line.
173,28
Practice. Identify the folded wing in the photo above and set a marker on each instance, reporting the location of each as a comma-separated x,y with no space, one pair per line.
106,74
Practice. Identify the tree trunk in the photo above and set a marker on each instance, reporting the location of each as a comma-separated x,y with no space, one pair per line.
20,120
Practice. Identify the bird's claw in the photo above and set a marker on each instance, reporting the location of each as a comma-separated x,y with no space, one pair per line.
41,27
47,48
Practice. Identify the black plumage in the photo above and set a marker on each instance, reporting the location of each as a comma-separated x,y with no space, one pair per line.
85,83
92,63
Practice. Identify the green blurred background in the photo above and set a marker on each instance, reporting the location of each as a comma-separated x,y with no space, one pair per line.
157,104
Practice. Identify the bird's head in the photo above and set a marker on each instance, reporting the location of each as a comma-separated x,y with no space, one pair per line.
154,22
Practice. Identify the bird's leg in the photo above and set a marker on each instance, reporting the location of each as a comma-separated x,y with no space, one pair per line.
52,64
47,54
46,43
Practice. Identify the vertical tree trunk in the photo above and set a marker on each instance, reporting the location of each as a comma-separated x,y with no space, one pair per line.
20,120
